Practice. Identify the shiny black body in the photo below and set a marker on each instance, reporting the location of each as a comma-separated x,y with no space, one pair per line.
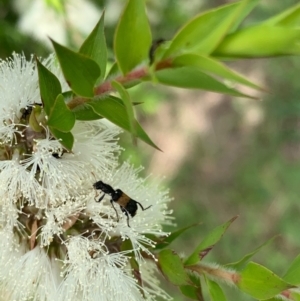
127,204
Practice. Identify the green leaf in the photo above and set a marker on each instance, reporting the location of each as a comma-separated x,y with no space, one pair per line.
172,267
61,117
94,47
128,105
113,71
169,239
49,87
295,296
208,243
79,71
261,283
260,41
133,36
249,6
34,118
289,17
293,273
213,67
85,112
115,112
191,77
66,139
203,33
193,291
238,265
190,291
215,291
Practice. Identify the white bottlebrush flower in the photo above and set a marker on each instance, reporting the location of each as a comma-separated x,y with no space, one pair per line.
10,251
49,212
18,90
32,277
93,274
151,283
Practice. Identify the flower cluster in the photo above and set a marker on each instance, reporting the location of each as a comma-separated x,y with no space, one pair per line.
57,241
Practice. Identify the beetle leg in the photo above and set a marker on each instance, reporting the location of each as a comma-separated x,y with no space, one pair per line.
101,198
112,203
142,206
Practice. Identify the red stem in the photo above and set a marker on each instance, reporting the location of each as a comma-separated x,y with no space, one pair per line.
132,76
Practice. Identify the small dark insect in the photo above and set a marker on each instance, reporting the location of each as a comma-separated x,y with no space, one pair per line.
127,204
153,48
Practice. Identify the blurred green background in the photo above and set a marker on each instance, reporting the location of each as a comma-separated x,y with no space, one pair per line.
222,156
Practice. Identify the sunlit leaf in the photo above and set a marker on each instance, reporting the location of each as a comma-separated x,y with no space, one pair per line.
260,41
169,239
238,265
191,77
94,47
247,8
133,36
128,105
172,267
213,67
208,242
204,32
289,17
261,283
79,71
293,273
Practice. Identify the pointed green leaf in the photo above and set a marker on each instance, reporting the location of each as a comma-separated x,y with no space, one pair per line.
238,265
61,117
208,242
293,273
113,71
260,41
249,6
190,291
203,33
193,291
34,117
169,239
66,139
289,17
128,105
49,86
115,112
79,71
295,296
133,36
94,47
172,267
191,77
85,112
261,283
213,67
215,291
